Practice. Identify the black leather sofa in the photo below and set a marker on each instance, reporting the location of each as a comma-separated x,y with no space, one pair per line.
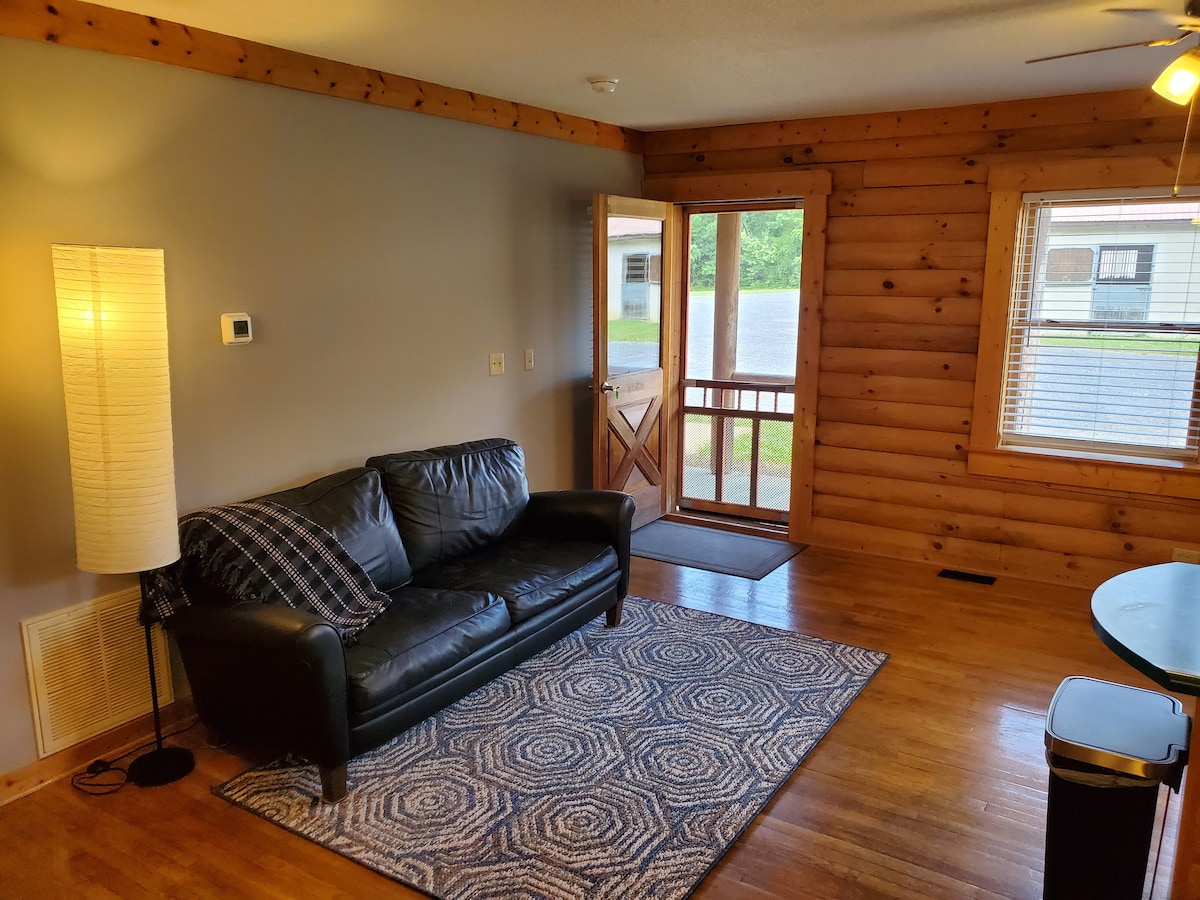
481,575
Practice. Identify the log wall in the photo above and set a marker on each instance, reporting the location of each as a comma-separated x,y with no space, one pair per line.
892,377
899,324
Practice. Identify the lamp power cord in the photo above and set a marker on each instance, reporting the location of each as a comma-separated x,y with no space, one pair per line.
107,776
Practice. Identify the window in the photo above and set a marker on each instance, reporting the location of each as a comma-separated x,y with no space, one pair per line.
1090,337
1069,264
636,268
634,292
1127,265
1089,367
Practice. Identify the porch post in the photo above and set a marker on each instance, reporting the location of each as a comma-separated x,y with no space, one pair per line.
725,321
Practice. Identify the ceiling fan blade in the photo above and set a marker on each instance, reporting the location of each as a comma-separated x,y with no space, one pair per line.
1168,42
1191,10
1161,42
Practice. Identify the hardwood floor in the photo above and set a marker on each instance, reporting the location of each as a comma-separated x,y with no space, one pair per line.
933,783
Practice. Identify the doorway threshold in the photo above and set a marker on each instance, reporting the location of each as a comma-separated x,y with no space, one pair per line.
776,530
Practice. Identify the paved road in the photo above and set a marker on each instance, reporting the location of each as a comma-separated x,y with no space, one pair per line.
1093,394
767,329
1084,394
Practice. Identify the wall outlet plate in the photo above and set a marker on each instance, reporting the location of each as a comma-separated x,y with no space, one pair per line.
496,364
1183,554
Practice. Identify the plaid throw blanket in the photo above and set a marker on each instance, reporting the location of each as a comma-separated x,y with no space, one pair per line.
264,551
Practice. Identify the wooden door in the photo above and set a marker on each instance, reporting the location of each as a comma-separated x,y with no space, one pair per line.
635,248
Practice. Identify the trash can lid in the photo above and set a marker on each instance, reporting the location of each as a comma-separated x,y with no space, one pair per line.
1117,727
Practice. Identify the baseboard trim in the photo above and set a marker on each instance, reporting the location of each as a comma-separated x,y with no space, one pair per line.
111,744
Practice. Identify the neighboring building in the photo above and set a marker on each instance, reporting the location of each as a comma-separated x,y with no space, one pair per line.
634,269
1131,262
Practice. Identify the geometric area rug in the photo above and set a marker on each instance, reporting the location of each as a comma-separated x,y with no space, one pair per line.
619,762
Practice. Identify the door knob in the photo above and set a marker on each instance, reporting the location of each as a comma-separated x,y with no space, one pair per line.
607,388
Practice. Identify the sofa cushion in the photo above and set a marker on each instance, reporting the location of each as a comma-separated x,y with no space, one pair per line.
449,501
423,632
531,574
352,506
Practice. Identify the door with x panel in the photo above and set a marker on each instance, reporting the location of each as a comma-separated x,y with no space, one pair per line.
633,308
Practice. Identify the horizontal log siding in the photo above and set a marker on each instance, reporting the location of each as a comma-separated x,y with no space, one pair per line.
906,242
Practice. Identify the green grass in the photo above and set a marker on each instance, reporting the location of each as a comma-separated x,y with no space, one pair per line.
775,443
633,330
1146,343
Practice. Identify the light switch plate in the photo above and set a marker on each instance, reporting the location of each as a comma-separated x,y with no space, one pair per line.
528,358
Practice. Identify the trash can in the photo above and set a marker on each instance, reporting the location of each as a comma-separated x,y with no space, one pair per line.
1109,747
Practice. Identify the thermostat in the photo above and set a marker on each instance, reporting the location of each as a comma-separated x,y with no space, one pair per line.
235,328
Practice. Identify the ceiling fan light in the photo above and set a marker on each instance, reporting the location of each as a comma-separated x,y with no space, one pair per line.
1180,80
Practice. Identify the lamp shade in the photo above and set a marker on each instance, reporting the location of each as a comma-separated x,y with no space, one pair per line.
112,327
1180,80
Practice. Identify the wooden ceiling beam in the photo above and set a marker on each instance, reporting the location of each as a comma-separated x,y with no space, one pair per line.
91,27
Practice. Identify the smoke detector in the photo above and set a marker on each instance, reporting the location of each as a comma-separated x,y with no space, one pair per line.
603,85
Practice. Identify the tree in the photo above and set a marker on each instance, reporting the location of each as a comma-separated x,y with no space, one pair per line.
703,253
771,242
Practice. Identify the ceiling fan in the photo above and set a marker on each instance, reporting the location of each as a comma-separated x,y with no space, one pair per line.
1189,25
1180,81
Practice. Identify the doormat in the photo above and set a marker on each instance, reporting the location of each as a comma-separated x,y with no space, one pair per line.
618,762
712,549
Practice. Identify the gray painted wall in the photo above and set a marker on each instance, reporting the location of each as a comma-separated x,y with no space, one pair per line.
383,255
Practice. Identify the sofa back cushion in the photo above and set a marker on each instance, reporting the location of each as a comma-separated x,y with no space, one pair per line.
352,506
449,501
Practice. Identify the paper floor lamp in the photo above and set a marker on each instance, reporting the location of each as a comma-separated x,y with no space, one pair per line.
112,325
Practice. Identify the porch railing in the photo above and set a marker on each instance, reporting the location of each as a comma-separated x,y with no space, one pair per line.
737,446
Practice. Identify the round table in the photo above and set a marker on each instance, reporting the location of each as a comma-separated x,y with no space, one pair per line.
1150,617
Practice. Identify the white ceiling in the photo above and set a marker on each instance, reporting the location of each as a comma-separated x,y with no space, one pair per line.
700,62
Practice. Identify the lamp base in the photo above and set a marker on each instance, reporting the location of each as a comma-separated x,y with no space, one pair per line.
161,766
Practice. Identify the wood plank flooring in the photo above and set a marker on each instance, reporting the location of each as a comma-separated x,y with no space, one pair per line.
932,784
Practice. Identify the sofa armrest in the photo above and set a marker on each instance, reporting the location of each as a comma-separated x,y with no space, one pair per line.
584,515
268,675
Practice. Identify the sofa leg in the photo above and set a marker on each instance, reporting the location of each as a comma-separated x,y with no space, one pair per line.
612,615
333,783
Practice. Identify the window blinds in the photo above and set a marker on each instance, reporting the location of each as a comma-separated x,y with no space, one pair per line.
1104,327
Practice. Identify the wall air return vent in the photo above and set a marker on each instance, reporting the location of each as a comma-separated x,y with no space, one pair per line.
87,669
